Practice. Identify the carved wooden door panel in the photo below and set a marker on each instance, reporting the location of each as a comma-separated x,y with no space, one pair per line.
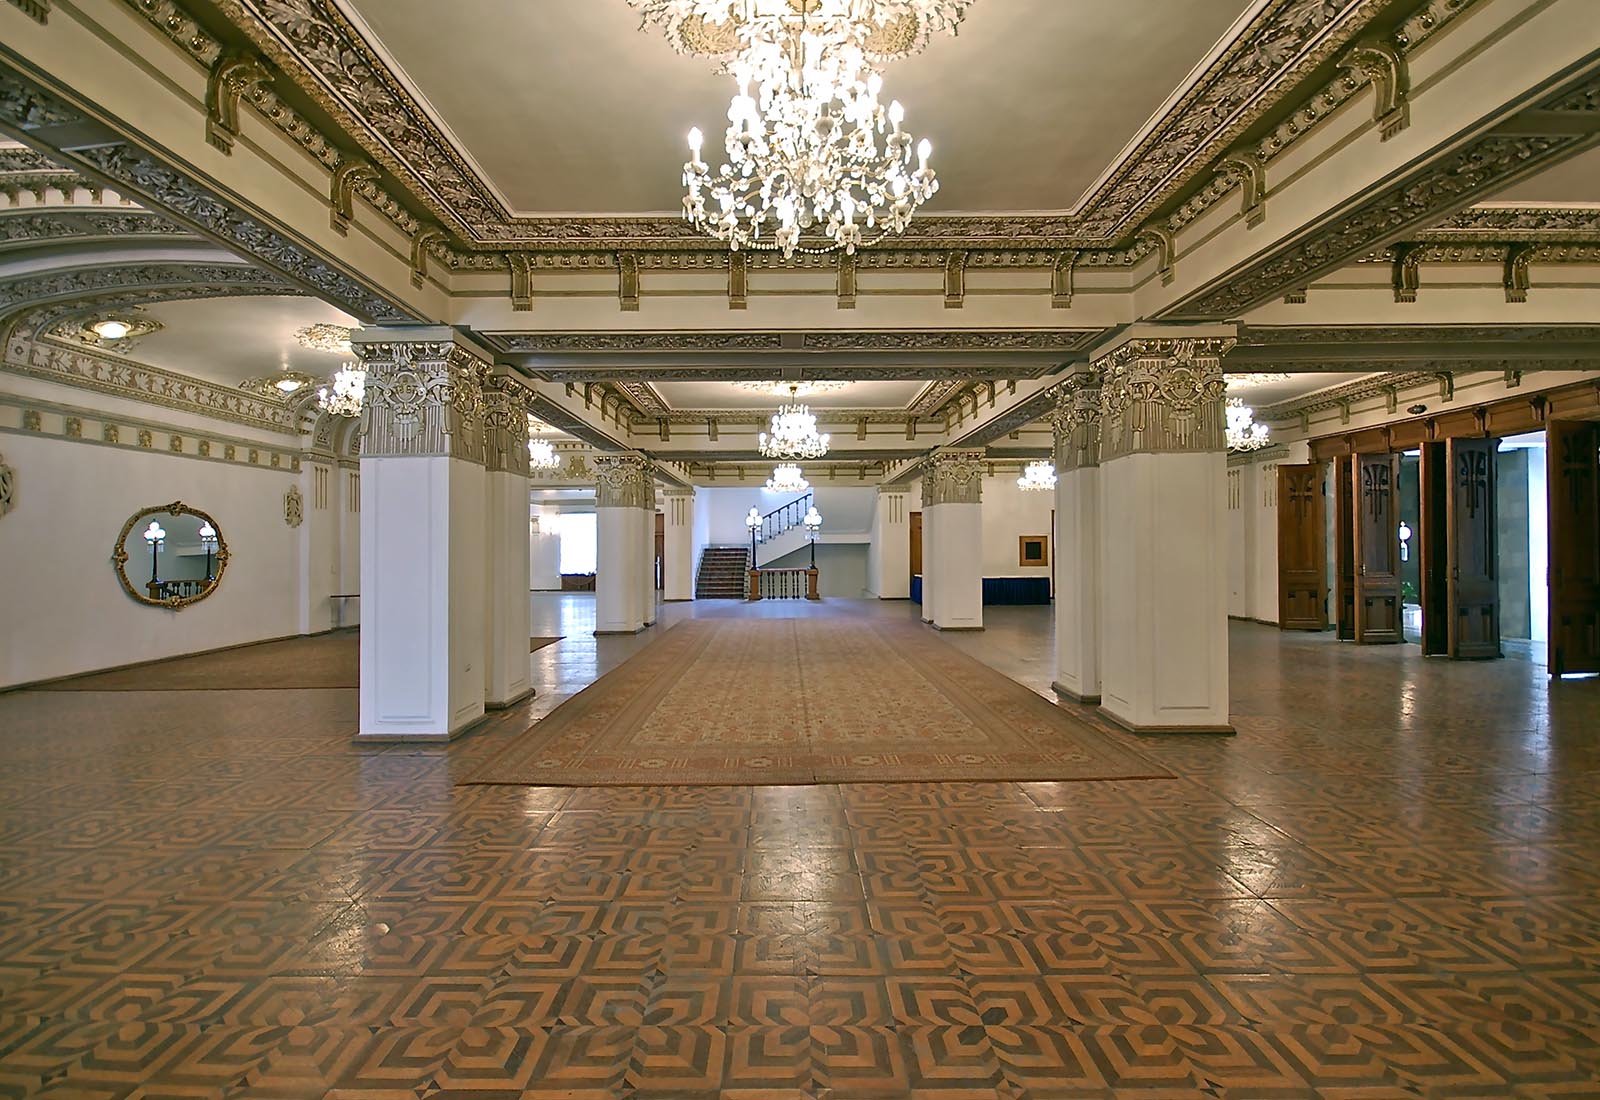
1302,548
1573,464
1377,548
1434,546
1344,546
1474,585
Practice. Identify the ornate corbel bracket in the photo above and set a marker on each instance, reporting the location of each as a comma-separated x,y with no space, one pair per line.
1447,386
1251,173
1405,274
34,9
1061,279
738,280
521,281
350,175
628,281
1385,67
420,240
1515,275
1166,250
233,75
955,279
847,280
1295,297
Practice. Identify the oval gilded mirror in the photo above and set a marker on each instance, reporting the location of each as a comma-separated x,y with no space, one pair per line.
170,556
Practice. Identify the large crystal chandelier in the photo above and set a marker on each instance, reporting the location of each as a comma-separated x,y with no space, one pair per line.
1037,477
794,432
811,148
345,396
787,478
542,456
1243,433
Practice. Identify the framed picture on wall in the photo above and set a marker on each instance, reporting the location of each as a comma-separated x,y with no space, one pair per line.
1033,550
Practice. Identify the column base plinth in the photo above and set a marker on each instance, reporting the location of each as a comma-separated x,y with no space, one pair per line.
1225,730
1067,693
527,693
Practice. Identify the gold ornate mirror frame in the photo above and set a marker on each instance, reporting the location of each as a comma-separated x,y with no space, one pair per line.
119,556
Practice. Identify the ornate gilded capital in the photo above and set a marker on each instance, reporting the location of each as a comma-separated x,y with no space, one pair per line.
1075,421
423,399
953,477
625,480
505,426
1163,395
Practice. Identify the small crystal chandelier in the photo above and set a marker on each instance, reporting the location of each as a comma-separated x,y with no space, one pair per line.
787,478
794,432
345,397
1243,433
810,145
542,456
324,337
1038,476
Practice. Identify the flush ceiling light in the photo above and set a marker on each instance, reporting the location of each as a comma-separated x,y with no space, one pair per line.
282,384
111,329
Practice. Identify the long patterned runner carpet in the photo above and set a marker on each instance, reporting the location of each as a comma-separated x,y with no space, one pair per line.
785,701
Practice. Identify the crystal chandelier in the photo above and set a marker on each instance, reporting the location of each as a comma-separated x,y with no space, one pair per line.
787,478
1037,477
811,147
345,396
794,433
1243,433
542,456
324,337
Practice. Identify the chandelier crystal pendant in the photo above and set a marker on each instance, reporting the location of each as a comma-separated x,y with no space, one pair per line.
1243,433
1037,477
811,147
793,433
787,478
542,456
345,397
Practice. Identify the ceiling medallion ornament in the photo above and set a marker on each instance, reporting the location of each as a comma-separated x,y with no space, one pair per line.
1243,433
794,432
1038,477
787,478
282,384
325,337
542,457
347,393
117,332
810,145
797,389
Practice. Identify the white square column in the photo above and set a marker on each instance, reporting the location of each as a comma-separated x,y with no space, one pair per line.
1076,421
677,582
930,549
623,486
647,559
1164,536
889,567
507,672
422,528
954,487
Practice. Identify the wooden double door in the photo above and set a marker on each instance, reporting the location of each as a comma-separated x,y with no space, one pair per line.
1573,470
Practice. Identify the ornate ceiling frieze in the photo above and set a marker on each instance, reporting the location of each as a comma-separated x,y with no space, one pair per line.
1255,336
26,106
29,226
746,372
151,281
887,340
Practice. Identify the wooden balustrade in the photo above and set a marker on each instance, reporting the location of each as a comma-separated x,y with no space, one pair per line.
783,584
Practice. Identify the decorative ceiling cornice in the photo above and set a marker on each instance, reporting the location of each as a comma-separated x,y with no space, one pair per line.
1246,83
1497,222
153,282
1066,341
1417,196
30,226
27,106
1393,377
1256,336
745,372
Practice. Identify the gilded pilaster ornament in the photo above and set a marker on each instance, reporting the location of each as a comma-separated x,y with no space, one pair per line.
1061,279
1075,422
1383,64
231,77
421,241
628,282
953,477
294,507
1250,171
1163,395
346,178
738,280
955,279
847,280
505,426
8,487
1515,276
624,480
423,398
1166,249
521,281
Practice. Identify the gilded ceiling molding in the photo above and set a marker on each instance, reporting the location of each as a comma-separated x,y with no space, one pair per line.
151,280
26,107
748,372
698,255
1255,336
1061,279
1249,171
738,280
233,75
521,282
1384,65
423,398
846,288
1166,250
29,226
1383,384
953,476
1404,276
1514,275
628,282
1518,223
1163,395
955,279
929,340
625,480
342,185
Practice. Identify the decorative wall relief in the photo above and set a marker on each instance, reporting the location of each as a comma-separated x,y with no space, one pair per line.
294,507
8,486
624,480
423,398
1163,395
953,477
1075,420
505,426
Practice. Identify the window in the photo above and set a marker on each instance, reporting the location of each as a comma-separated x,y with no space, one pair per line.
578,534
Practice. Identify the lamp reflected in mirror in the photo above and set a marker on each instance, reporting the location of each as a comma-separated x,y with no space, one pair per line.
184,548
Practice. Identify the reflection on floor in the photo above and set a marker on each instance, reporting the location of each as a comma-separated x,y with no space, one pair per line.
1384,886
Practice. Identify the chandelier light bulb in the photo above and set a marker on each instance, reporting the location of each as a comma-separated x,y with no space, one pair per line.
787,478
347,394
696,140
1242,432
1038,476
111,329
154,533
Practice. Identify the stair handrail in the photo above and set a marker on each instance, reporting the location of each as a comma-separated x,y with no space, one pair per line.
785,517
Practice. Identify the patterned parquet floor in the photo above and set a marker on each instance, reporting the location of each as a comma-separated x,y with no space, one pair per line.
1386,886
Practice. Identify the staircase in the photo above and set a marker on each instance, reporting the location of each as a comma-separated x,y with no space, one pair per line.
723,572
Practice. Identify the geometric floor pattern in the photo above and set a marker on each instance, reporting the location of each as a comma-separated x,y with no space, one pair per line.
1384,886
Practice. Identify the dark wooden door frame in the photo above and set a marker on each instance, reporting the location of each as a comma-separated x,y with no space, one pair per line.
1376,479
1302,547
1433,548
1344,539
1573,479
1474,574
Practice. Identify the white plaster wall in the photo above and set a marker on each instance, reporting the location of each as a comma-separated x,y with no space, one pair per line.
1263,506
843,510
65,611
544,551
1008,514
1239,543
841,568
